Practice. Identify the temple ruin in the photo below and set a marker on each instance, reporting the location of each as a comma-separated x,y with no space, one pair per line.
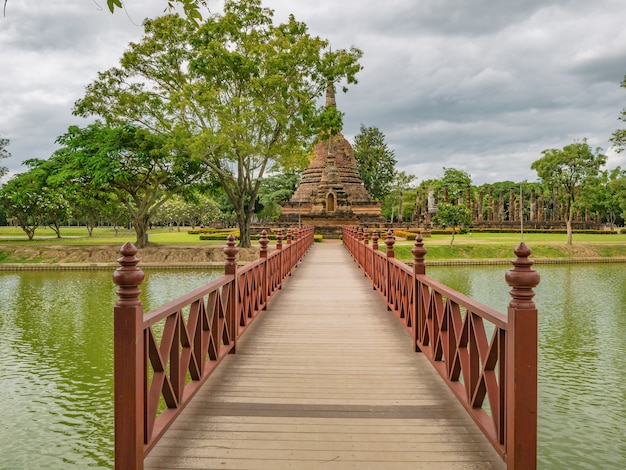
331,193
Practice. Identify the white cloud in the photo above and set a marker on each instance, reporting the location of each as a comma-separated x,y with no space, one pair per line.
477,85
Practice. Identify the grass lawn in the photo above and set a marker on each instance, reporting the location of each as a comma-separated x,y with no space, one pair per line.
467,246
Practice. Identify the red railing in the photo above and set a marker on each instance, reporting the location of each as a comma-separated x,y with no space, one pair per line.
488,359
162,358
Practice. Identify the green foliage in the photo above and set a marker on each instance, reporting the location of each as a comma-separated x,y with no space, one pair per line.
29,202
449,215
619,136
129,164
375,161
570,171
4,153
398,203
237,93
190,7
456,181
274,191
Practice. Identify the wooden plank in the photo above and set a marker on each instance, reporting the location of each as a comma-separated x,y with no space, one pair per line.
325,378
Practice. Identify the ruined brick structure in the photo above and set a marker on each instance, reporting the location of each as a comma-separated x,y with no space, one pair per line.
331,193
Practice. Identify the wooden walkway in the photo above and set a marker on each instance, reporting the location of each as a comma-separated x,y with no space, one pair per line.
325,379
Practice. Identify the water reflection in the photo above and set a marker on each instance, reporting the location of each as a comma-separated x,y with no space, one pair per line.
582,344
56,343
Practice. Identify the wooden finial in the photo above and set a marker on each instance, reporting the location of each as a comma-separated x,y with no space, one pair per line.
279,239
375,240
419,267
522,279
230,250
389,241
366,236
128,277
263,241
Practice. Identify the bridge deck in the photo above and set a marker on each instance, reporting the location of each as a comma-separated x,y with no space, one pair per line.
325,378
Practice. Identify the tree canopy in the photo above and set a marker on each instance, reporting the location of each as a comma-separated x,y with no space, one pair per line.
375,161
237,93
129,163
570,170
619,136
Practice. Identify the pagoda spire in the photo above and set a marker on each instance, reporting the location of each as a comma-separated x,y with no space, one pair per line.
330,95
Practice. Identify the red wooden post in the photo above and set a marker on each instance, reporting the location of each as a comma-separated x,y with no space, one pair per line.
230,268
264,241
375,273
289,250
521,375
366,255
128,362
279,247
389,241
419,267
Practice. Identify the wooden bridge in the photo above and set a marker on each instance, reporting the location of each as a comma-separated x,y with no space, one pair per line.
325,376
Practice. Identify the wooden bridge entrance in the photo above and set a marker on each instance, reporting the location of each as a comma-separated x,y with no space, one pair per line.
325,378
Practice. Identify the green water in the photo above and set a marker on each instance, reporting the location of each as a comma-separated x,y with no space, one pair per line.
56,361
56,344
582,357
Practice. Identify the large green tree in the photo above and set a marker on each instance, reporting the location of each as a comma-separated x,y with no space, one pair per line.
129,163
619,136
570,170
30,201
237,93
375,161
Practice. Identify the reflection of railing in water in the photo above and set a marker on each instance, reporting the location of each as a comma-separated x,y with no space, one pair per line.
163,357
480,353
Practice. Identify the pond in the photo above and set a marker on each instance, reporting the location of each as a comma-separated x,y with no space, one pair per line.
56,360
582,357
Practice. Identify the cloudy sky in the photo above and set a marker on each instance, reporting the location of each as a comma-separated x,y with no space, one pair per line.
478,85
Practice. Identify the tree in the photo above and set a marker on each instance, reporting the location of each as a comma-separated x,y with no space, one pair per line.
619,136
274,191
190,7
456,181
570,170
237,93
4,153
375,161
453,216
129,163
31,202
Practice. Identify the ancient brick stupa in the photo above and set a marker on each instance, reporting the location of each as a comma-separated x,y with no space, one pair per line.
331,194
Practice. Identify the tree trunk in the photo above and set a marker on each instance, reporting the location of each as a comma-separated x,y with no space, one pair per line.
141,231
568,224
244,231
453,232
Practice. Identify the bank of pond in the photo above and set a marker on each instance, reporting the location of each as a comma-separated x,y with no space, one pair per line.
56,342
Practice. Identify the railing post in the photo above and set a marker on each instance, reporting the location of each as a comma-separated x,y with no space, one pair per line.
230,268
419,267
289,250
521,368
375,273
359,246
366,245
389,241
128,363
264,241
279,247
